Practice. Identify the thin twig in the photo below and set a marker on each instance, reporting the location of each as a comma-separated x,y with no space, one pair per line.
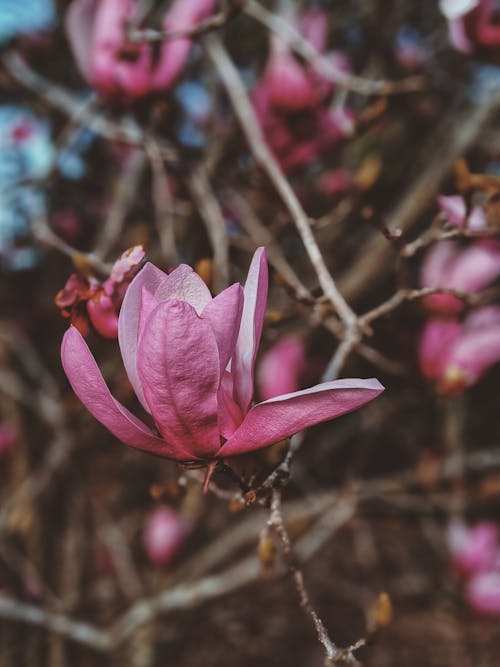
237,94
322,65
211,214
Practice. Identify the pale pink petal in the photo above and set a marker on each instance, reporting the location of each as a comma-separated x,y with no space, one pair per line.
79,24
178,363
148,303
149,277
472,549
483,593
475,267
183,284
252,320
224,315
475,352
90,387
164,535
280,417
437,266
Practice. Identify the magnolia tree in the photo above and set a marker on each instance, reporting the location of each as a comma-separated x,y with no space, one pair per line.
250,340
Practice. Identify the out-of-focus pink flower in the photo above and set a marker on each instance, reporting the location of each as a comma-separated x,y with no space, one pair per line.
474,549
87,302
165,532
335,181
121,70
471,24
448,264
281,367
291,99
190,359
9,435
455,211
456,355
482,592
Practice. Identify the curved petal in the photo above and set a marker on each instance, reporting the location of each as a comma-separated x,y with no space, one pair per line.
178,363
90,387
476,267
79,24
278,418
252,320
149,277
224,315
183,284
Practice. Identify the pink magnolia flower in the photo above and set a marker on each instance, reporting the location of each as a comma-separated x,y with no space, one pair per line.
471,24
472,549
455,355
448,264
190,360
482,592
122,70
88,303
164,534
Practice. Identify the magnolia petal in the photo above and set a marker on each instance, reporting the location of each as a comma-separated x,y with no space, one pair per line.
252,320
230,415
90,387
79,24
148,303
280,417
149,278
178,363
183,284
224,315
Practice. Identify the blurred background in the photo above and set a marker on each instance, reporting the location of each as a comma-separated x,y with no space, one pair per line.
196,131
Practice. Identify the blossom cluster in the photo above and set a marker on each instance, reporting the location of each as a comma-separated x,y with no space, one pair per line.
456,350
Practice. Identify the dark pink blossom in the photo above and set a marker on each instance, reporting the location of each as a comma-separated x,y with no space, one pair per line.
190,359
121,70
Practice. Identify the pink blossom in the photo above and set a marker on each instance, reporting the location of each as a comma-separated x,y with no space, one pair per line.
122,70
9,435
482,592
164,534
289,86
472,549
455,211
190,359
468,269
471,24
281,367
456,355
87,302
